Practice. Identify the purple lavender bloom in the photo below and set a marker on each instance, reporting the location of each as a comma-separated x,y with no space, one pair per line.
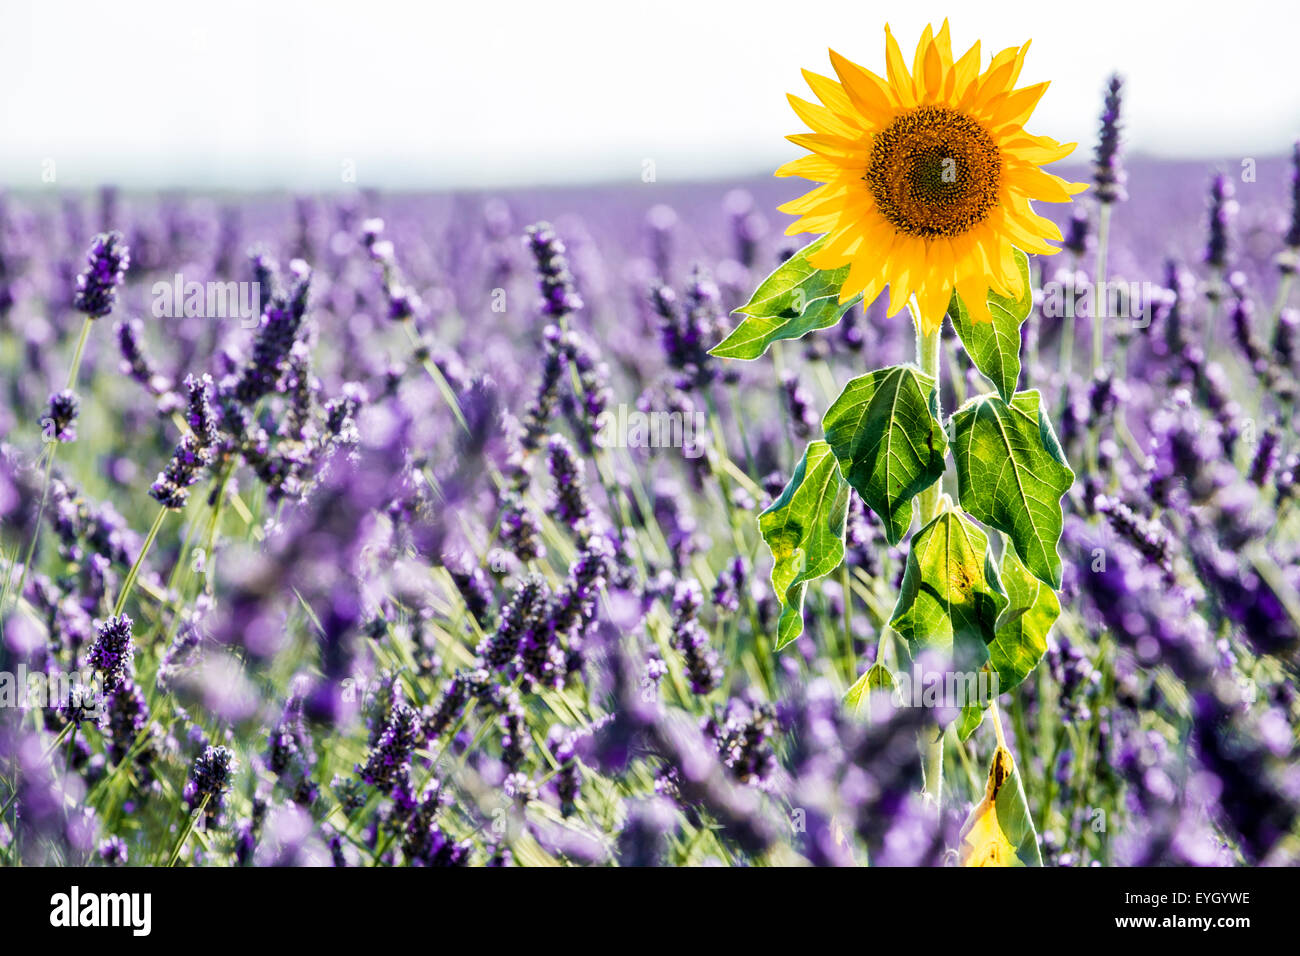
171,487
703,668
559,293
1222,209
644,840
135,362
512,726
584,406
522,616
568,777
199,410
689,330
290,753
59,423
128,713
1076,233
389,762
275,338
1292,238
112,652
210,779
521,531
1108,171
570,504
474,588
798,405
463,686
730,585
743,735
108,260
537,415
113,852
193,453
1265,460
1149,538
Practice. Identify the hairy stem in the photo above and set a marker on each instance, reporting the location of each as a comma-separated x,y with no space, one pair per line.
927,356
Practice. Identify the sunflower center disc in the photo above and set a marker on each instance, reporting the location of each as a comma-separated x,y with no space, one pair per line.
934,172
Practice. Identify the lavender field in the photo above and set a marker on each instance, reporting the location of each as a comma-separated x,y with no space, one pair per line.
440,546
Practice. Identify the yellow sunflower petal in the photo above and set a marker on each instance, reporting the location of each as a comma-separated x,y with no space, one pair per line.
830,93
922,46
1037,184
869,93
1017,105
814,167
1039,150
826,144
965,71
900,81
820,118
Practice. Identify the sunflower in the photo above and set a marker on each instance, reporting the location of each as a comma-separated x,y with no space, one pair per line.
927,176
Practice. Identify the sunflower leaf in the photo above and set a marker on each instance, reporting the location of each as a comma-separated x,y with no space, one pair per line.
889,445
791,302
1021,638
876,678
999,830
995,348
951,596
804,528
972,715
1011,474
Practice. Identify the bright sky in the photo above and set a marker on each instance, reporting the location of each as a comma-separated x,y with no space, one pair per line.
488,92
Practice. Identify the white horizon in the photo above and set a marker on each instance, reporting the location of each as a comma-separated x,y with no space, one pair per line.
146,94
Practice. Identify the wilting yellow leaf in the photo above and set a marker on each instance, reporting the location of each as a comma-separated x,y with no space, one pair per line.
983,842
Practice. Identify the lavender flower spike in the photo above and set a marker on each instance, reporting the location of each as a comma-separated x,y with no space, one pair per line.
1108,171
559,296
1293,234
1222,209
107,260
59,423
210,777
112,652
194,452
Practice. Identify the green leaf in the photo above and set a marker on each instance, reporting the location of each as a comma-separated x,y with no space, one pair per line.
877,678
1011,474
1021,638
999,830
804,528
950,598
791,302
972,715
995,349
889,445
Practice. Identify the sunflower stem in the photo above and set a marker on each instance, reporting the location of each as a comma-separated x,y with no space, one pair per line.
931,736
927,357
